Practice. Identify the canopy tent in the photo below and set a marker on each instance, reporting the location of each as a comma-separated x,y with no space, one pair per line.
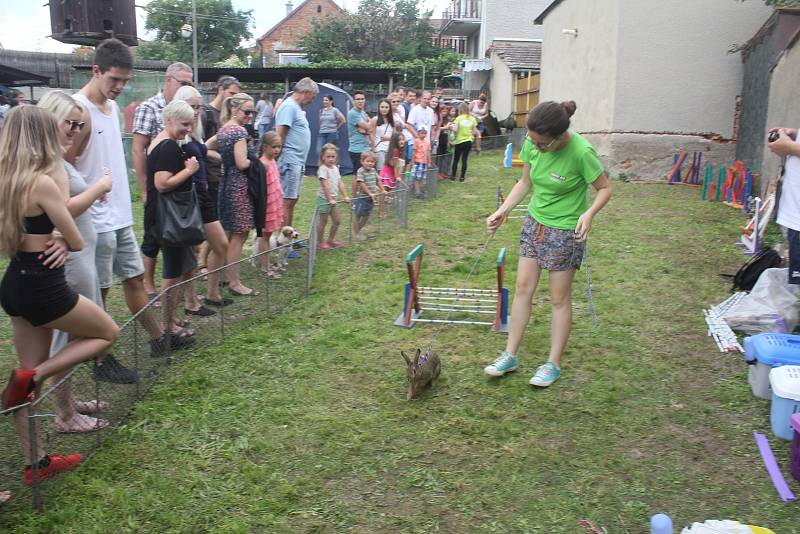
344,103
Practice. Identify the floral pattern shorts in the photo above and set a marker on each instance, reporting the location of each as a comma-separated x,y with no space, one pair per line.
552,248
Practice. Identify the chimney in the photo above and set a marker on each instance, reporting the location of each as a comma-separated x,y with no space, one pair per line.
289,7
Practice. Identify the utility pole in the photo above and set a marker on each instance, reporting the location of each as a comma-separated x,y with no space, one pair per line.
194,42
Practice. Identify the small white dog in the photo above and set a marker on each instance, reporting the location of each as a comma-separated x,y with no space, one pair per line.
282,238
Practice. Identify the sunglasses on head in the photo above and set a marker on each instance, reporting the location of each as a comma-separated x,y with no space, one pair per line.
75,126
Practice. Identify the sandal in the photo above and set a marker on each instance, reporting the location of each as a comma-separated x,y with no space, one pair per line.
251,293
80,424
179,340
202,311
91,406
218,303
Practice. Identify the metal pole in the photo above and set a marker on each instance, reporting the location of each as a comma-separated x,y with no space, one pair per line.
423,75
194,41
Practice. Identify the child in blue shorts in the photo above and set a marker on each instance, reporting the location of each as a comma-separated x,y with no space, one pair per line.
368,186
422,159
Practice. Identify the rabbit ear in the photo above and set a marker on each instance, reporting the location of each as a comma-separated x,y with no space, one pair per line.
408,362
416,358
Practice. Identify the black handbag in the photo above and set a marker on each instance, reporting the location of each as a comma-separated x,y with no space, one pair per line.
178,221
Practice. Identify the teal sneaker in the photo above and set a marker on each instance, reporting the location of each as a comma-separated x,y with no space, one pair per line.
546,374
502,365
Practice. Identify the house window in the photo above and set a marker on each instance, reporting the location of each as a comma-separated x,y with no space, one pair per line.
298,57
319,9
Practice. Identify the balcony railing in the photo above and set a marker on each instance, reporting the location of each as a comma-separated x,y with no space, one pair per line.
463,9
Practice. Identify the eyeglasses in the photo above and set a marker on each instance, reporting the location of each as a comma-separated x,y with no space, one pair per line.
543,146
75,126
183,83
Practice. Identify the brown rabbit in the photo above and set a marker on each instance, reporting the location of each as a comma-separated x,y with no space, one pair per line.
421,372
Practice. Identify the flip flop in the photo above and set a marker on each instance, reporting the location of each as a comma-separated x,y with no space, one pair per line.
252,293
91,406
89,424
218,303
202,311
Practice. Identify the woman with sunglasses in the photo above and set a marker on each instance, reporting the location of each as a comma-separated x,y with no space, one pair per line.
80,270
34,290
235,206
215,236
560,165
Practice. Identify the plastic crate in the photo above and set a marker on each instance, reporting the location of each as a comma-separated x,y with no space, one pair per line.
765,351
785,381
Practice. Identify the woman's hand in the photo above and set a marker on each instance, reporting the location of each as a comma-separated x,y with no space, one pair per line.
494,221
583,226
55,255
192,165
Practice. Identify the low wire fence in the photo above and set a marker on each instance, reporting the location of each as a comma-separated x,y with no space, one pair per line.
75,412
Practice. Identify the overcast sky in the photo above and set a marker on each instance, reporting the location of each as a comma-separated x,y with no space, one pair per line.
26,24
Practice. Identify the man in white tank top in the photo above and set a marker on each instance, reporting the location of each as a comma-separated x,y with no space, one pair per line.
788,145
99,146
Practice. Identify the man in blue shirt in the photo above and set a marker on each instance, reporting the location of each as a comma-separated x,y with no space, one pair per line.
292,125
358,129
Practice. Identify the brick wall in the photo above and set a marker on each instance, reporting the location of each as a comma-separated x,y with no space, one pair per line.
284,37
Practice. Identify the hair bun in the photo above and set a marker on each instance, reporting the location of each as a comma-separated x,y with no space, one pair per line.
569,106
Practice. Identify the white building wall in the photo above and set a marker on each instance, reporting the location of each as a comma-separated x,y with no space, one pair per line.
501,88
509,19
674,72
783,109
582,68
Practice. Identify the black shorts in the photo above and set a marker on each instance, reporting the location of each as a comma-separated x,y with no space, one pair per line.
34,292
177,261
208,203
355,160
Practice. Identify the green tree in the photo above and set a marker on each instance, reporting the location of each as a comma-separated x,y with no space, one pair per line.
379,30
220,30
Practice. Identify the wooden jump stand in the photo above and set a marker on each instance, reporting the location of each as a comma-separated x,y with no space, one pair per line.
418,299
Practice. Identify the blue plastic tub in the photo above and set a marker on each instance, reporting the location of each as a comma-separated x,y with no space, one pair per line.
785,381
765,351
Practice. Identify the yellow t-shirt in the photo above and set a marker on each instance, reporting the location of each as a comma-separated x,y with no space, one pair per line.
465,124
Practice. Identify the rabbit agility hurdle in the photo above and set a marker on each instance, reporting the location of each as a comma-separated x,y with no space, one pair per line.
418,299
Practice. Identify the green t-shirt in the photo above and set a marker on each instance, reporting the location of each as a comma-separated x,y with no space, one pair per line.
465,125
561,181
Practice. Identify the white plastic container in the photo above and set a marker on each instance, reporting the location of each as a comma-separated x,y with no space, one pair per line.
785,382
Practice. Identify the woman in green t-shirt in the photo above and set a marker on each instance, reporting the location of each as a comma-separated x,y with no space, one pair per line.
559,165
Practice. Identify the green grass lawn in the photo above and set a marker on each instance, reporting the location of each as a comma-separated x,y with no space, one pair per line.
300,423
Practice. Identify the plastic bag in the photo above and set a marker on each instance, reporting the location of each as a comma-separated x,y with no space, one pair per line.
772,306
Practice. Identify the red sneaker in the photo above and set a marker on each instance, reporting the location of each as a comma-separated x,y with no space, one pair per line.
334,243
19,388
58,464
323,246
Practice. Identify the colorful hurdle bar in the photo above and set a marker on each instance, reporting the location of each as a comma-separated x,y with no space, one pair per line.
520,211
418,298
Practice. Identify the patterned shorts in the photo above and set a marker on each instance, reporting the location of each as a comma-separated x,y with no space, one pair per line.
552,248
